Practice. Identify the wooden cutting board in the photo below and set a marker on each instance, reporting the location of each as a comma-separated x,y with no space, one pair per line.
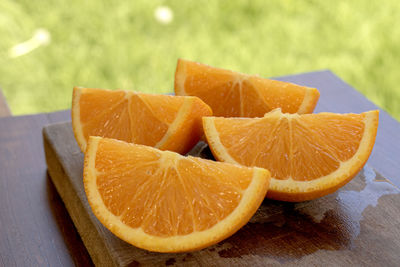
357,225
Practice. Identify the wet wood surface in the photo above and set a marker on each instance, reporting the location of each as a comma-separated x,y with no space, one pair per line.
357,225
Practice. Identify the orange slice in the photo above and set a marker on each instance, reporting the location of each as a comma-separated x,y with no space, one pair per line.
162,201
308,156
162,121
233,94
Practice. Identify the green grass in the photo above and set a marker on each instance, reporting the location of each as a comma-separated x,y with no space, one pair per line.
119,44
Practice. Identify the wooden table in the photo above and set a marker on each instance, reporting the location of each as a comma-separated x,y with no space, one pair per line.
35,227
36,230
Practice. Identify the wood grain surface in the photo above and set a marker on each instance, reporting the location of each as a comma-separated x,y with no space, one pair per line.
359,225
35,228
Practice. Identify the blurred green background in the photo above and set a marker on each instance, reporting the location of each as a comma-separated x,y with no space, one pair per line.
135,44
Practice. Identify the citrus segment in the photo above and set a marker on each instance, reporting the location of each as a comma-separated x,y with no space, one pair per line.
163,121
233,94
308,155
162,201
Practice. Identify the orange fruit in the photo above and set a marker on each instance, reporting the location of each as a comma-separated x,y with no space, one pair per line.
308,155
162,201
163,121
233,94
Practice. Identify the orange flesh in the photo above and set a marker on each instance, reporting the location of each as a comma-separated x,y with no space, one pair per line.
123,113
163,121
277,94
163,193
144,121
98,102
232,94
310,146
165,108
111,120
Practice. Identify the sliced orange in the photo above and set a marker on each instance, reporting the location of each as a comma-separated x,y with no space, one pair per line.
233,94
162,201
163,121
308,156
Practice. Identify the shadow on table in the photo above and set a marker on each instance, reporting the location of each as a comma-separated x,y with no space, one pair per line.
71,237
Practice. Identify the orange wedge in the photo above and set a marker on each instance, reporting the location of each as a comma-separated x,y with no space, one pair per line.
162,121
308,156
233,94
162,201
